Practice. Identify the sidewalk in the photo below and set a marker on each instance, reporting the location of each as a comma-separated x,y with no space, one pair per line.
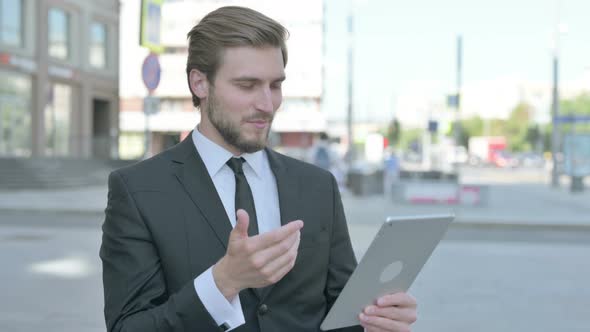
78,200
510,204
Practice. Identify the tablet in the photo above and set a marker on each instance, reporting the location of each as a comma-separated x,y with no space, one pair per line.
390,265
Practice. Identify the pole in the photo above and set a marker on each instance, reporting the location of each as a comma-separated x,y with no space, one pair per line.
555,102
147,132
554,122
349,121
459,65
458,109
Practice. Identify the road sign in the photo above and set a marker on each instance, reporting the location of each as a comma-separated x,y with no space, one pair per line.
432,126
571,118
453,101
150,72
151,105
576,149
150,25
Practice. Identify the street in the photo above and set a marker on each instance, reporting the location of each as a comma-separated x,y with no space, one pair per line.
478,279
51,279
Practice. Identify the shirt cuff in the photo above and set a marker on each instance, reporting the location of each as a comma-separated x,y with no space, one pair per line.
228,314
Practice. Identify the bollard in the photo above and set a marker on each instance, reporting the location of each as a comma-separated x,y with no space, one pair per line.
577,184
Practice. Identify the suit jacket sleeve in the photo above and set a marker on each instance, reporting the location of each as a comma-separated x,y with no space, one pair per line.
342,258
135,293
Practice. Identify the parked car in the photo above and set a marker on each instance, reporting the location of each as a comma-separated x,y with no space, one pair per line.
530,160
504,159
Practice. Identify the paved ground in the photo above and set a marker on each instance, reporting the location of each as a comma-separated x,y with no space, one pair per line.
483,280
87,199
512,204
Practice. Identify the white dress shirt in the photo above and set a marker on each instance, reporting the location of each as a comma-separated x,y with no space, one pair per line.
266,202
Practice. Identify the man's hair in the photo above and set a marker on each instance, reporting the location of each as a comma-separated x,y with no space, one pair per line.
230,26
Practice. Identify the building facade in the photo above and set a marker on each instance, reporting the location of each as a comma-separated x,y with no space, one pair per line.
59,94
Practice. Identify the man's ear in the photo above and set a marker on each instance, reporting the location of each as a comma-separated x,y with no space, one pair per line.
199,83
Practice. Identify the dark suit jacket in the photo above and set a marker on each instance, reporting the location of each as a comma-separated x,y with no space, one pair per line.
165,224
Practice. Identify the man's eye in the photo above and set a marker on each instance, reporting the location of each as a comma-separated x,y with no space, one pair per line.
276,85
246,86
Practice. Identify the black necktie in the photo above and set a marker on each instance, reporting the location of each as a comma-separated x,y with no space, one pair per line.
244,199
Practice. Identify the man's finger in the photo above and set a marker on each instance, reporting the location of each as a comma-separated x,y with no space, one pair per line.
242,222
284,258
286,266
280,249
397,299
402,314
266,240
372,323
274,257
371,328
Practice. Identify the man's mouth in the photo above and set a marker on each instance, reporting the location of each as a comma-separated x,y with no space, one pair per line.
259,123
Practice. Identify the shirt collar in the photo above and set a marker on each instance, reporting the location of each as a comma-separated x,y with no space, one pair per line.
255,160
215,156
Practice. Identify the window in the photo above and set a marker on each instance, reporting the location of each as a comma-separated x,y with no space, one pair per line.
11,22
57,120
59,34
15,114
98,43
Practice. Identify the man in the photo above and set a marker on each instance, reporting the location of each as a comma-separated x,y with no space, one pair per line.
320,154
391,170
171,260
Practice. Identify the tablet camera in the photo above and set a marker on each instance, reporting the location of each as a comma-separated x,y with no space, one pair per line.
391,271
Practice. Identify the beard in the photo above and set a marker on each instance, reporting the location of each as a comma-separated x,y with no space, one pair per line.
230,131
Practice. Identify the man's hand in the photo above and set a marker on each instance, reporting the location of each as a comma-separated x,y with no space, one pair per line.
257,261
393,312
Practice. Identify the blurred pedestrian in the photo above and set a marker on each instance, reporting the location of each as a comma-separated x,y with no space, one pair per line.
391,171
323,154
320,153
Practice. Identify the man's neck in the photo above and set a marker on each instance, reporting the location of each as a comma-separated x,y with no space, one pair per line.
215,137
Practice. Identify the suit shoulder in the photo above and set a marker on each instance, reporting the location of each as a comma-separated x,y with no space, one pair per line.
302,167
145,171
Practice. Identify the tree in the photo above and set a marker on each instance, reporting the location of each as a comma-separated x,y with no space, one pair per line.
534,137
470,127
497,127
410,137
517,127
393,133
580,105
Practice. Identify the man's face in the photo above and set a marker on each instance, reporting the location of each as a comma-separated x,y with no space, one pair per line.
243,98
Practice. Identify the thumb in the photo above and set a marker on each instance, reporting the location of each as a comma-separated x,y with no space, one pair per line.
242,222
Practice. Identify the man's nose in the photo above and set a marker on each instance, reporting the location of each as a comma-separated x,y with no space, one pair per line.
264,100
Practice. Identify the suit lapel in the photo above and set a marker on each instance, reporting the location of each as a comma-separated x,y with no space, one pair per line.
192,174
289,199
287,186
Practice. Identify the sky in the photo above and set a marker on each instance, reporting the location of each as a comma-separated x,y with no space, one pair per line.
405,46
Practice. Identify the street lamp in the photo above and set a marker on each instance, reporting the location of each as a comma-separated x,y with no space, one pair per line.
457,127
559,29
554,125
350,154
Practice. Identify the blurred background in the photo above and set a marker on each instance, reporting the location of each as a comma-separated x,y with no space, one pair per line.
477,108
